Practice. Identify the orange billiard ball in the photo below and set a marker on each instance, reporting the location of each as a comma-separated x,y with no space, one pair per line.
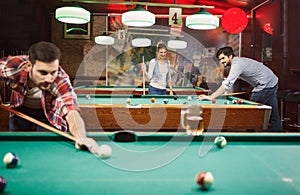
152,100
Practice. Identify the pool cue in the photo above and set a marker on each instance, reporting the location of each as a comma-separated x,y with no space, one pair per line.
235,93
144,89
48,127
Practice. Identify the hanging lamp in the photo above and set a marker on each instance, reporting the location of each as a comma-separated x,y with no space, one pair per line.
138,17
73,15
202,20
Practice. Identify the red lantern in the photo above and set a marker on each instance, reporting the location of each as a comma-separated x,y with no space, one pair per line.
268,28
234,20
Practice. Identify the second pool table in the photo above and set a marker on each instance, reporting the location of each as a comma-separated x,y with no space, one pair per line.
112,112
136,90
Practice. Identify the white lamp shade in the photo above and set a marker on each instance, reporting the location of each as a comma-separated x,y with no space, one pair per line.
141,42
177,44
138,17
73,15
104,40
202,21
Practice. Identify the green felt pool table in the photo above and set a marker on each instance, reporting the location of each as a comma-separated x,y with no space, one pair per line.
256,163
136,90
112,112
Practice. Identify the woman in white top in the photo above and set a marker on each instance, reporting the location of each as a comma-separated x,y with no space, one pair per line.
159,72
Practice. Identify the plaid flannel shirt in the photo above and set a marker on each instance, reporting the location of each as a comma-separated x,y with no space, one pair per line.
56,102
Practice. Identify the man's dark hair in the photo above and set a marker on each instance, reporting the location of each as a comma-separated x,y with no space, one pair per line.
44,52
227,51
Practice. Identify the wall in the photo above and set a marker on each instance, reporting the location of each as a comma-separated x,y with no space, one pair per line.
282,15
75,50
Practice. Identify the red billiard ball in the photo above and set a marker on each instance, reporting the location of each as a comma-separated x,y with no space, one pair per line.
213,101
205,180
234,101
2,184
152,100
240,101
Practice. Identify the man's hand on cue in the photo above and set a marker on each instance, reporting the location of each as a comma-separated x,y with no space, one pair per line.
90,144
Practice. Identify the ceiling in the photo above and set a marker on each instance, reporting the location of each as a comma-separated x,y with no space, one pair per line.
108,6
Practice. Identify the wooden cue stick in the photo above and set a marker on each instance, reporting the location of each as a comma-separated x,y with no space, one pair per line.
144,88
235,93
48,127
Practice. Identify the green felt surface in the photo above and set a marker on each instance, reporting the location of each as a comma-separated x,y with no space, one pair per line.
159,99
51,165
134,87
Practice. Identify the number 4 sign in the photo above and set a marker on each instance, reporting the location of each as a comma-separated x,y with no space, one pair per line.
175,16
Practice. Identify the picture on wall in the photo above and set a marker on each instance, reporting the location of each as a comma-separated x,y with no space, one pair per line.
77,31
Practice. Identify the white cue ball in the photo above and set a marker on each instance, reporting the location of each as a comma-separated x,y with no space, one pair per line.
104,151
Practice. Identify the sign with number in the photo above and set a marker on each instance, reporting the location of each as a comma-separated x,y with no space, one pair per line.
121,34
175,16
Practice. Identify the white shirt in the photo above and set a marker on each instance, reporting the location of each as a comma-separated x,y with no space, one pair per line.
33,98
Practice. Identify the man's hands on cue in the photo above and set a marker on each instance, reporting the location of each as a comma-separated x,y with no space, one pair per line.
88,143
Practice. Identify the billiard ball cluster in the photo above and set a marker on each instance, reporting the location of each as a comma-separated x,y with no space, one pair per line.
166,100
205,179
239,101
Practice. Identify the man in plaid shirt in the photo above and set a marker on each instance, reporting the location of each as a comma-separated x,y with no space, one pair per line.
42,89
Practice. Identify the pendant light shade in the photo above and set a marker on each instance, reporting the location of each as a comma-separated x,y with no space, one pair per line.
141,42
202,20
138,17
177,44
104,39
72,14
